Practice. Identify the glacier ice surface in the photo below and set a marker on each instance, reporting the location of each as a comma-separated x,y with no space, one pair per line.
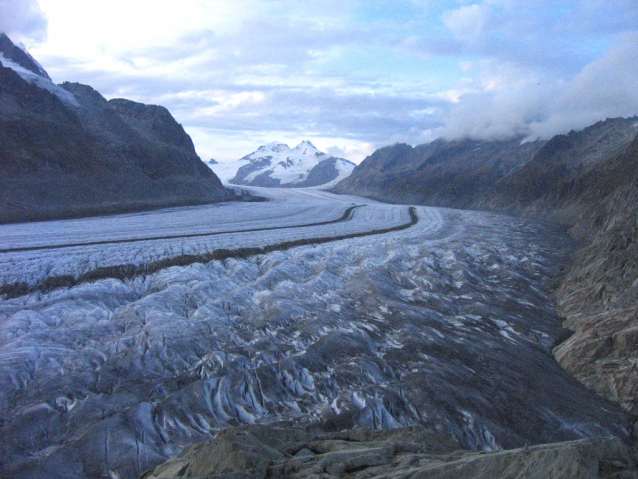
448,324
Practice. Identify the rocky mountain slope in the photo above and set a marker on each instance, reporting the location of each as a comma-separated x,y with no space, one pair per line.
20,57
278,165
599,296
587,180
66,151
441,173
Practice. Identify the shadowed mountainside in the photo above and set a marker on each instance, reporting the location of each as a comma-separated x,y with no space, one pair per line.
440,173
65,151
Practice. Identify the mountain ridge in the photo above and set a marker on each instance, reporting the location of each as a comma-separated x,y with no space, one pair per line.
20,56
441,173
66,151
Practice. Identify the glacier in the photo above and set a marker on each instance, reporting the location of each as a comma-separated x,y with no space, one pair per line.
448,323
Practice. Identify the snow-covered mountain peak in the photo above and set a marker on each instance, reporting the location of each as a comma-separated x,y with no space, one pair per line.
307,148
274,147
276,164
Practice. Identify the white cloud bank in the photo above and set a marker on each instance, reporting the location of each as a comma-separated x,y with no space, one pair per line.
606,87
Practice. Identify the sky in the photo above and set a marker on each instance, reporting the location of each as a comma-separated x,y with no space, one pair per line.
348,75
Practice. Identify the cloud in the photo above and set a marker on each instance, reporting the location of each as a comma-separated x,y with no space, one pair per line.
361,73
257,43
604,88
319,112
353,152
559,37
469,23
23,21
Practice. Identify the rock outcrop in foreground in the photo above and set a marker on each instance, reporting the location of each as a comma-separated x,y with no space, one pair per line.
259,452
66,151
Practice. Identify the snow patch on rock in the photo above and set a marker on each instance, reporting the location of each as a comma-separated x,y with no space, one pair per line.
65,96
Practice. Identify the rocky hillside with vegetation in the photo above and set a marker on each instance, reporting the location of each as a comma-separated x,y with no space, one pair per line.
586,180
66,151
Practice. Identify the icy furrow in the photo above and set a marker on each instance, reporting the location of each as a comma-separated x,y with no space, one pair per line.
34,266
194,220
303,206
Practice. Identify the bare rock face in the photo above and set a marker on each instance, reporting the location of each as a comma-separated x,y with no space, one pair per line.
325,171
19,56
260,452
65,151
589,181
599,296
564,179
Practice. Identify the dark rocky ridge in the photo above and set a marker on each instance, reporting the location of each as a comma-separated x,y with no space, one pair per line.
19,56
599,296
61,160
323,173
587,180
262,180
441,173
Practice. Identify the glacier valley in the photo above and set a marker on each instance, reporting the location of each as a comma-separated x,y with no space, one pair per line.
360,314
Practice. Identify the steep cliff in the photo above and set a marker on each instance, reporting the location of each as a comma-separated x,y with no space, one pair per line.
599,296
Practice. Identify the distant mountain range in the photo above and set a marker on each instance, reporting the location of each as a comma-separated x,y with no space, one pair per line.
65,151
586,180
278,165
